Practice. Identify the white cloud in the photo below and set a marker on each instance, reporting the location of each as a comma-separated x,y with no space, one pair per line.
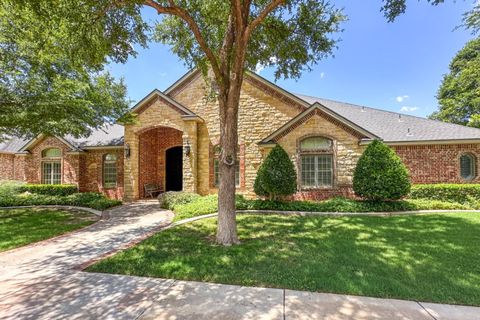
259,67
408,109
322,75
402,98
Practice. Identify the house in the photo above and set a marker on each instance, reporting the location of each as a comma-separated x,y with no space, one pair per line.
174,142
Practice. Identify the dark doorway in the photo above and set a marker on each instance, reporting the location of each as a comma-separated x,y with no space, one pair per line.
173,169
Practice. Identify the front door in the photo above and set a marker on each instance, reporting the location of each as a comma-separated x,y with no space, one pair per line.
174,169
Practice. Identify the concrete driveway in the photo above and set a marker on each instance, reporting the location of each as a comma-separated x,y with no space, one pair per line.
44,281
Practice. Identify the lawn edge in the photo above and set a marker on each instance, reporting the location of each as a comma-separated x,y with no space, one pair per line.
55,206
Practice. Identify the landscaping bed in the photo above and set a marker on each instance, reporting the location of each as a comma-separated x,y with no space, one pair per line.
17,194
19,227
430,257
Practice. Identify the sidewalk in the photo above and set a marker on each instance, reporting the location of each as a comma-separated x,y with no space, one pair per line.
43,282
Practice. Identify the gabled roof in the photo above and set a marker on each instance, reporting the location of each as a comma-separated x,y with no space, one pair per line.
157,94
322,111
395,127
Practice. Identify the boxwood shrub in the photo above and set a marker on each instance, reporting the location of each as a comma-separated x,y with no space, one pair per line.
170,199
461,193
49,189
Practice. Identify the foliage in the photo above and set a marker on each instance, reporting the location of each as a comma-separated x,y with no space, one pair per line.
459,93
19,227
51,67
380,174
462,193
85,199
422,257
276,176
170,199
49,189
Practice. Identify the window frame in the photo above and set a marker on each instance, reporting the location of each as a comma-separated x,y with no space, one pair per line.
316,154
52,161
473,166
109,185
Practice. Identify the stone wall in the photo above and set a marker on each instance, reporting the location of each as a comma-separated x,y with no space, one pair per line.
346,151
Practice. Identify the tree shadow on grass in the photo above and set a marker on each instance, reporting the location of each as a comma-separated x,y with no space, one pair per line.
429,257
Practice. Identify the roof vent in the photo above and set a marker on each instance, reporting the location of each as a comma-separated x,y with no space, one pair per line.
409,132
400,118
363,109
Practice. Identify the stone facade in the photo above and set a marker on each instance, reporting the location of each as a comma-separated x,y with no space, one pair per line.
185,117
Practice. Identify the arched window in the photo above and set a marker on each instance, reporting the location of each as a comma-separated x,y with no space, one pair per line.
216,172
51,166
110,171
468,168
316,161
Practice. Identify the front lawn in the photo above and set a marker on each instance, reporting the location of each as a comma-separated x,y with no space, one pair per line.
19,227
433,257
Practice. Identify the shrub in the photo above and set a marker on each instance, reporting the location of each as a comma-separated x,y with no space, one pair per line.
276,177
170,199
49,189
380,174
8,187
462,193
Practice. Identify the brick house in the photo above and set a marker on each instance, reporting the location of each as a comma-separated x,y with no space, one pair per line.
174,142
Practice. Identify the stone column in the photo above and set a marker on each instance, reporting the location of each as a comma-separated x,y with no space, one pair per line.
130,177
190,142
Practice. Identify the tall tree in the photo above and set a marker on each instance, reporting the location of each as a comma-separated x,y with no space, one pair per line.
224,37
459,93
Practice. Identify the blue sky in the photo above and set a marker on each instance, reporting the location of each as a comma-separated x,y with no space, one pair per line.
393,66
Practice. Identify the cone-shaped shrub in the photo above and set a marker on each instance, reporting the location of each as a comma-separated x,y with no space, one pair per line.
380,174
276,177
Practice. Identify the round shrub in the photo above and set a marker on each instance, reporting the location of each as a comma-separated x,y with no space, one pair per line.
380,174
276,177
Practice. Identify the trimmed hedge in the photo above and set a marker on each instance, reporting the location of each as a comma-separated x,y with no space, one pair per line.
85,199
49,189
380,174
462,193
170,199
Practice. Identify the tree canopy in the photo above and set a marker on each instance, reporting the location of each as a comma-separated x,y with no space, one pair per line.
459,93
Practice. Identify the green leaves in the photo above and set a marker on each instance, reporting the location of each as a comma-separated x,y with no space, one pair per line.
459,94
380,174
276,176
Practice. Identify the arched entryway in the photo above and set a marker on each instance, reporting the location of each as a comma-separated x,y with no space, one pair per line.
174,169
157,146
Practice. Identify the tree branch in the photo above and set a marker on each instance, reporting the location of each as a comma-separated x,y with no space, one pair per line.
263,14
185,16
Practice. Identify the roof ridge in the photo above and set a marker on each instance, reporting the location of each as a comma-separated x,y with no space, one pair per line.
389,111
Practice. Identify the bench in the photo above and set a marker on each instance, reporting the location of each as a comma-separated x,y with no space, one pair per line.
152,189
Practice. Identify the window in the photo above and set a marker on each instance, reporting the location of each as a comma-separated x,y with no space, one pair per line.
110,171
216,171
316,162
51,166
468,166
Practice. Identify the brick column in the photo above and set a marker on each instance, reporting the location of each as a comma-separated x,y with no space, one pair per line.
20,166
130,177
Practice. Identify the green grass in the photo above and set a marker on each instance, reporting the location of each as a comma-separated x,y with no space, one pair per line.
433,257
19,227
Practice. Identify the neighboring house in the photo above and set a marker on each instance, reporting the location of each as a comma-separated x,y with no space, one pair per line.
174,142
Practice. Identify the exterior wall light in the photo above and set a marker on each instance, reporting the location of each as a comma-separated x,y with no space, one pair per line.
127,150
186,148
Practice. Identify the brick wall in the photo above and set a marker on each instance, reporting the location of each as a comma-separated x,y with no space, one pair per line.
437,163
91,169
152,146
6,166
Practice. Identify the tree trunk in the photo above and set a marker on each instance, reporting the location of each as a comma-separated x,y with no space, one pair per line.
228,102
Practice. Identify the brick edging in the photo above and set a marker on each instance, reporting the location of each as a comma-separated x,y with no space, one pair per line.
340,214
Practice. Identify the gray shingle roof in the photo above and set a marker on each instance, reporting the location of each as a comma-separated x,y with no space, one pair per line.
110,135
396,127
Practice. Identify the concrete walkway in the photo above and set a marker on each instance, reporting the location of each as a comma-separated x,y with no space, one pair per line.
43,281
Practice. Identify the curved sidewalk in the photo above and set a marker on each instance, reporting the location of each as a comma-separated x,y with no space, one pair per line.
44,282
